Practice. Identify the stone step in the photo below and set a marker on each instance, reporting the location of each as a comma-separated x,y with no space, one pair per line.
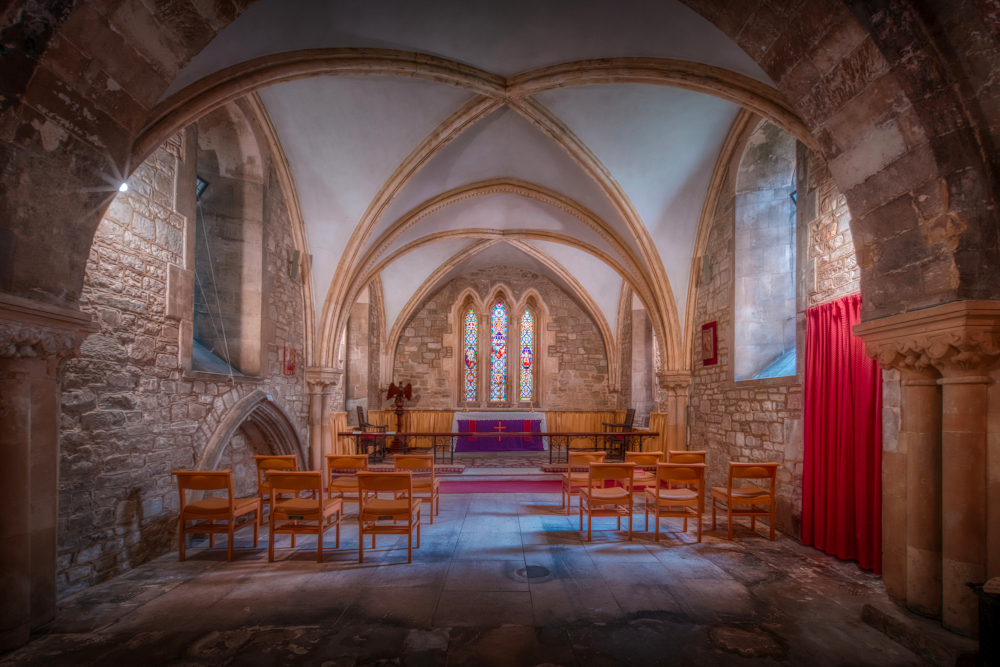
924,636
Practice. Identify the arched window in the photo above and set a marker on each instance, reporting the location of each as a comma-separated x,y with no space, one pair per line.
498,355
471,323
526,379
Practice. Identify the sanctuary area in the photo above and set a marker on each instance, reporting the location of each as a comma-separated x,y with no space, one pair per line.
499,333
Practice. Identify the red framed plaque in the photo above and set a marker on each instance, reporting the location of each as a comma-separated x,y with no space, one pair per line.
709,344
289,365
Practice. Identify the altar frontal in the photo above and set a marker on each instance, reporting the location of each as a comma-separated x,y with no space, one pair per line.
495,433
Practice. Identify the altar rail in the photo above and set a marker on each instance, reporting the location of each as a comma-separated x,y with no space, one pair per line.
560,444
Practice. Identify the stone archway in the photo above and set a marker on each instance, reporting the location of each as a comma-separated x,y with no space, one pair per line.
266,422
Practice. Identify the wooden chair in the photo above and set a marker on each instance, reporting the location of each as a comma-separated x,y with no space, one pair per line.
686,456
378,509
747,495
377,444
206,512
572,481
271,462
342,484
685,502
644,478
325,512
597,498
424,486
624,427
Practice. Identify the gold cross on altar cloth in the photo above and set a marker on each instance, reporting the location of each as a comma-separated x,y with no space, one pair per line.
499,428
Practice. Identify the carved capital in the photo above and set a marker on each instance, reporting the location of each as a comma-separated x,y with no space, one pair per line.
33,330
954,339
322,380
674,381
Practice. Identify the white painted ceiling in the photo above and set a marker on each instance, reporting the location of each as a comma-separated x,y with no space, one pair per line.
345,136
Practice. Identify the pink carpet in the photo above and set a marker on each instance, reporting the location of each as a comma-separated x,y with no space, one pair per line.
455,486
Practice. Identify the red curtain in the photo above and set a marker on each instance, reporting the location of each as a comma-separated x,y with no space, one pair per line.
842,469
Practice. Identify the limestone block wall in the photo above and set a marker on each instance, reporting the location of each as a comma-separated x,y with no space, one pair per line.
356,370
131,411
572,357
761,420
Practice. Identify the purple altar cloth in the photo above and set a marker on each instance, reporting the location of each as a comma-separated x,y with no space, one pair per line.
491,439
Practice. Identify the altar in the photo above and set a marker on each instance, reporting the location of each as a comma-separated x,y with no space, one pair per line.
493,426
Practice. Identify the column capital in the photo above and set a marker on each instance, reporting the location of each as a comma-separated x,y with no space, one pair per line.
675,381
322,380
953,339
34,330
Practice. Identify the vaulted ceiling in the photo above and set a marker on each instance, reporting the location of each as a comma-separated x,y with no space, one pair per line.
588,173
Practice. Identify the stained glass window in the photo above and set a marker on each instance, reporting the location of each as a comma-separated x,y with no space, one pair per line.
498,357
471,344
527,354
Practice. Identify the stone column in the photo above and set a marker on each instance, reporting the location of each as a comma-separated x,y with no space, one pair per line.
677,384
35,342
944,431
321,382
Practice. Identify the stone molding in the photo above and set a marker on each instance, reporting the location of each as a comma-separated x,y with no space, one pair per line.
322,380
674,381
30,329
957,339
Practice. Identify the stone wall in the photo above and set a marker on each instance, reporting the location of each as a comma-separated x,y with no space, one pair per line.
356,369
761,420
131,411
572,358
643,370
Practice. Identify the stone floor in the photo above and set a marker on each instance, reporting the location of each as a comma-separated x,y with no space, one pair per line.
503,579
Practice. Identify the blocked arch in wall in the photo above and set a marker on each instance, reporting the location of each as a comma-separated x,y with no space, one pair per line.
264,421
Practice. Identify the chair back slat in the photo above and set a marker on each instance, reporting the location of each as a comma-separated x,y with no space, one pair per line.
685,456
346,461
413,462
361,416
629,419
603,471
293,482
385,481
753,470
643,458
582,459
680,472
215,480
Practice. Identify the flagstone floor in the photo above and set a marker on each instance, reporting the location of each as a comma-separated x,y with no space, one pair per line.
499,579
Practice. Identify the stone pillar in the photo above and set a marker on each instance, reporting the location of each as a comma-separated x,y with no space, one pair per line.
944,432
321,382
676,383
921,431
35,341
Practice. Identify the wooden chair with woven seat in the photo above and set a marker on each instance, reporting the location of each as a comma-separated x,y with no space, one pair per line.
424,486
292,512
623,427
684,502
209,510
747,495
597,498
572,481
375,509
271,462
340,484
686,456
643,478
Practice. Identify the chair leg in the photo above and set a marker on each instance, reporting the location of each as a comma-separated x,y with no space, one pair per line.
211,538
182,535
270,537
319,540
619,523
581,513
340,516
729,519
590,518
229,542
256,531
409,545
685,524
431,513
373,540
772,523
656,517
753,523
293,538
630,526
699,527
713,513
361,544
418,529
645,510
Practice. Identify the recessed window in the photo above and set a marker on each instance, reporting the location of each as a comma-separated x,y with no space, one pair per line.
498,356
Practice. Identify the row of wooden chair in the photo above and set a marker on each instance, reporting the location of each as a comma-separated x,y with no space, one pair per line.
675,489
347,479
